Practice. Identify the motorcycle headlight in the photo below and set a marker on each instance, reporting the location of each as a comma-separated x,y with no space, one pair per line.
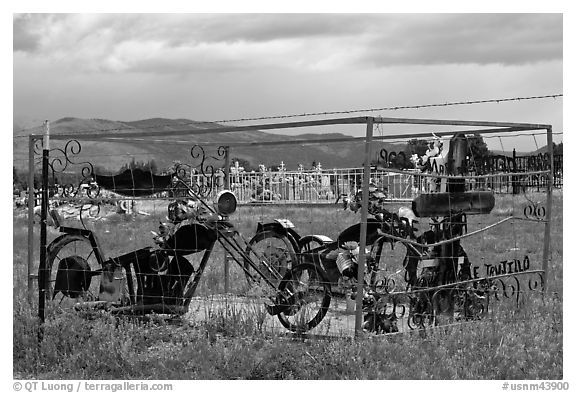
226,203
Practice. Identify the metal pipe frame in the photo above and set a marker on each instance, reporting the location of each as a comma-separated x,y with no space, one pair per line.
363,230
496,127
547,226
491,127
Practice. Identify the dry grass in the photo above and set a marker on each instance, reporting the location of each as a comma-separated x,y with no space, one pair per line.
233,342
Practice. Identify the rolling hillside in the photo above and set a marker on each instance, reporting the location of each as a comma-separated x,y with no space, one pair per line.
112,156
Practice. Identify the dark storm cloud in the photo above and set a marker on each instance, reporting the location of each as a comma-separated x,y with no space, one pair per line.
180,43
468,39
24,38
30,29
391,39
269,27
181,29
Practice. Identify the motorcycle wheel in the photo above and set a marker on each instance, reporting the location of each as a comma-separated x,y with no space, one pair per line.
308,293
71,274
271,252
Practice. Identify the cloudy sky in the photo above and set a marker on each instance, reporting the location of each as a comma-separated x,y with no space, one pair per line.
228,66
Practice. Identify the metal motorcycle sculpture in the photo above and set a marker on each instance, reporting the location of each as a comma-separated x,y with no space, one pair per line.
160,279
442,285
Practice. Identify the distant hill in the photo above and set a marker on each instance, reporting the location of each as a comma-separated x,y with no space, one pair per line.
111,156
542,150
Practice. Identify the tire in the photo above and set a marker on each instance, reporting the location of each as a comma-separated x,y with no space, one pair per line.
78,281
309,293
269,250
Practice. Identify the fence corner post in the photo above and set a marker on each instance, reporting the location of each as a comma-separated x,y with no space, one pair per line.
226,187
547,225
363,226
31,202
43,229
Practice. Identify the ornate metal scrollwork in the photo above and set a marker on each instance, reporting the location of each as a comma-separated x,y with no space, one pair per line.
92,209
534,210
205,177
513,288
469,300
182,171
182,174
38,146
61,161
536,283
504,289
421,310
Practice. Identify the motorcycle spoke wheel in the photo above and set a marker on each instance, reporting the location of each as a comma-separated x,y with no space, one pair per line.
72,275
308,294
273,254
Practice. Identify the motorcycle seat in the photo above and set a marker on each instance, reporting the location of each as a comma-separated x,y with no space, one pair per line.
442,204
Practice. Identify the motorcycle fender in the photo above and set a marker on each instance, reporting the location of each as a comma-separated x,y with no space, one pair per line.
280,227
352,233
88,235
285,223
76,231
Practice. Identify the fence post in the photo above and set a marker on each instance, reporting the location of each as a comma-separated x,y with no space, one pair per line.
31,204
547,226
43,214
363,226
226,187
515,184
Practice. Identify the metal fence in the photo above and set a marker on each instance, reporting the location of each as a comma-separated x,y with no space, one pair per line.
150,257
328,186
315,186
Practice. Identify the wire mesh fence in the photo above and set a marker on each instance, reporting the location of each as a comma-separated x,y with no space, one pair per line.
438,247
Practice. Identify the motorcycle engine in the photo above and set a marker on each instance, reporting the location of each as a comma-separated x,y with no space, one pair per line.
347,264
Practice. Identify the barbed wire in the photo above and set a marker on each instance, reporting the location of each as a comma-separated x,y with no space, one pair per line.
326,113
392,108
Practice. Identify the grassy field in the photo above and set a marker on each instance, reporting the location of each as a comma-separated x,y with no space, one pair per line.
516,343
